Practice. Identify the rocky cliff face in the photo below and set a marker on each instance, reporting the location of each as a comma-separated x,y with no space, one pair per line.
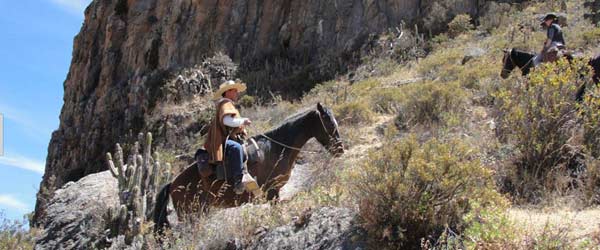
127,50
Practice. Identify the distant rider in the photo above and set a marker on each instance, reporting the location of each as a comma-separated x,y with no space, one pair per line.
554,42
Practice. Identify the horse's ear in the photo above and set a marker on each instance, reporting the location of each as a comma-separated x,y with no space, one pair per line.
320,108
505,50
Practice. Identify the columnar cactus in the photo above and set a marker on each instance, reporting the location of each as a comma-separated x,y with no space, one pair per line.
138,182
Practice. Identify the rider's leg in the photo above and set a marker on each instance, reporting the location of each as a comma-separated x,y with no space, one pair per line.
235,156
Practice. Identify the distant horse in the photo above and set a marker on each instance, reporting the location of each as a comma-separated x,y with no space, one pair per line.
515,58
271,161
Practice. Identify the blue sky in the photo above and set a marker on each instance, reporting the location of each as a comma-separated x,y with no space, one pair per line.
35,53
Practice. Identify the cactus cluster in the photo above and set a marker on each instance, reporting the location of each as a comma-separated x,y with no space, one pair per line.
139,181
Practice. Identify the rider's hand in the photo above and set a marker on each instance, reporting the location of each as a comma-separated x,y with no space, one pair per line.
247,122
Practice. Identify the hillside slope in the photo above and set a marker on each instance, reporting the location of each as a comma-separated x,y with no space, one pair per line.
127,50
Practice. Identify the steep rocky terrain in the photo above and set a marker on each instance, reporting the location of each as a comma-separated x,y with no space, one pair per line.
440,151
76,214
128,51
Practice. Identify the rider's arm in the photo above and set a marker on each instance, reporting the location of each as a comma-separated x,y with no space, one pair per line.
233,122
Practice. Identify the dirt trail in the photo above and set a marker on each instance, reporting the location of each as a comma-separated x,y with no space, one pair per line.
577,225
303,173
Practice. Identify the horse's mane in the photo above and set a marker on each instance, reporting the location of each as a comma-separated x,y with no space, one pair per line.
290,120
522,52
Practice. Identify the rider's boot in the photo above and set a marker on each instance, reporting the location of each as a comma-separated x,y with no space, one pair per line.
238,185
249,183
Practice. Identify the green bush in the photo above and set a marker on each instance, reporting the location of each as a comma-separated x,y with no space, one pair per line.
538,116
459,25
407,191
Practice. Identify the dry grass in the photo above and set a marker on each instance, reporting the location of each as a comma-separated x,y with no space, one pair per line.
573,227
461,110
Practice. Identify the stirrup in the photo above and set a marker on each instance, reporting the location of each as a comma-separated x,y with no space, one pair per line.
250,183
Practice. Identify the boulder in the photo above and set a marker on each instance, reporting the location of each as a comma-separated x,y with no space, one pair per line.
325,228
75,215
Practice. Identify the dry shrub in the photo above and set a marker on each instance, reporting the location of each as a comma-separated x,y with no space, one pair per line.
591,181
353,113
551,237
590,37
444,64
590,113
494,15
387,100
490,228
459,25
539,116
431,103
407,191
247,101
15,235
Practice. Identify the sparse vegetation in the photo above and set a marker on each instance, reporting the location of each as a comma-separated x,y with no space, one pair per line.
539,117
15,234
428,139
247,101
139,180
460,24
407,191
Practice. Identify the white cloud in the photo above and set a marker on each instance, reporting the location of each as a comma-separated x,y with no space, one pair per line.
74,6
22,162
28,125
12,202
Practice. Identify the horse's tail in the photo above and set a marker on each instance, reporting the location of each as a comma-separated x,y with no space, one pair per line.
160,209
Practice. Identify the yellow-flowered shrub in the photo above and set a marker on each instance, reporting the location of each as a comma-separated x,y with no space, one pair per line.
538,115
408,191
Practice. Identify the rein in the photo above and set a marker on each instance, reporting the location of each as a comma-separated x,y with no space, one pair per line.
288,146
513,62
299,149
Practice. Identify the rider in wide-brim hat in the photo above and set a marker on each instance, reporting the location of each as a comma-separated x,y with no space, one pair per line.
225,133
224,87
549,16
554,42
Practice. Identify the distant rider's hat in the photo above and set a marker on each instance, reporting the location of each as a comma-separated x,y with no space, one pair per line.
549,16
227,85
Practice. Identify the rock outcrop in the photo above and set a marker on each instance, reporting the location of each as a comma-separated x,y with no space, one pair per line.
326,228
127,50
75,215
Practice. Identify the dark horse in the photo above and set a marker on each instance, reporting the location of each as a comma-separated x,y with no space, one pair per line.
270,161
515,58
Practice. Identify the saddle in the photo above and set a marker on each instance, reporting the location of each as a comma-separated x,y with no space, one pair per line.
555,52
221,172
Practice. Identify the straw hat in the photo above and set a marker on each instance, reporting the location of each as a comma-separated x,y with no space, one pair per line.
227,86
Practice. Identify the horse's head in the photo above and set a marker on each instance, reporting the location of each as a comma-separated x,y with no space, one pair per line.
329,135
508,65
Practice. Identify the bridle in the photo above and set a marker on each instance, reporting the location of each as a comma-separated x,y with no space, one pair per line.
513,63
330,137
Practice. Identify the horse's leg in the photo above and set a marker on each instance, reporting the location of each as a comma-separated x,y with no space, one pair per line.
185,190
580,93
160,209
275,185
